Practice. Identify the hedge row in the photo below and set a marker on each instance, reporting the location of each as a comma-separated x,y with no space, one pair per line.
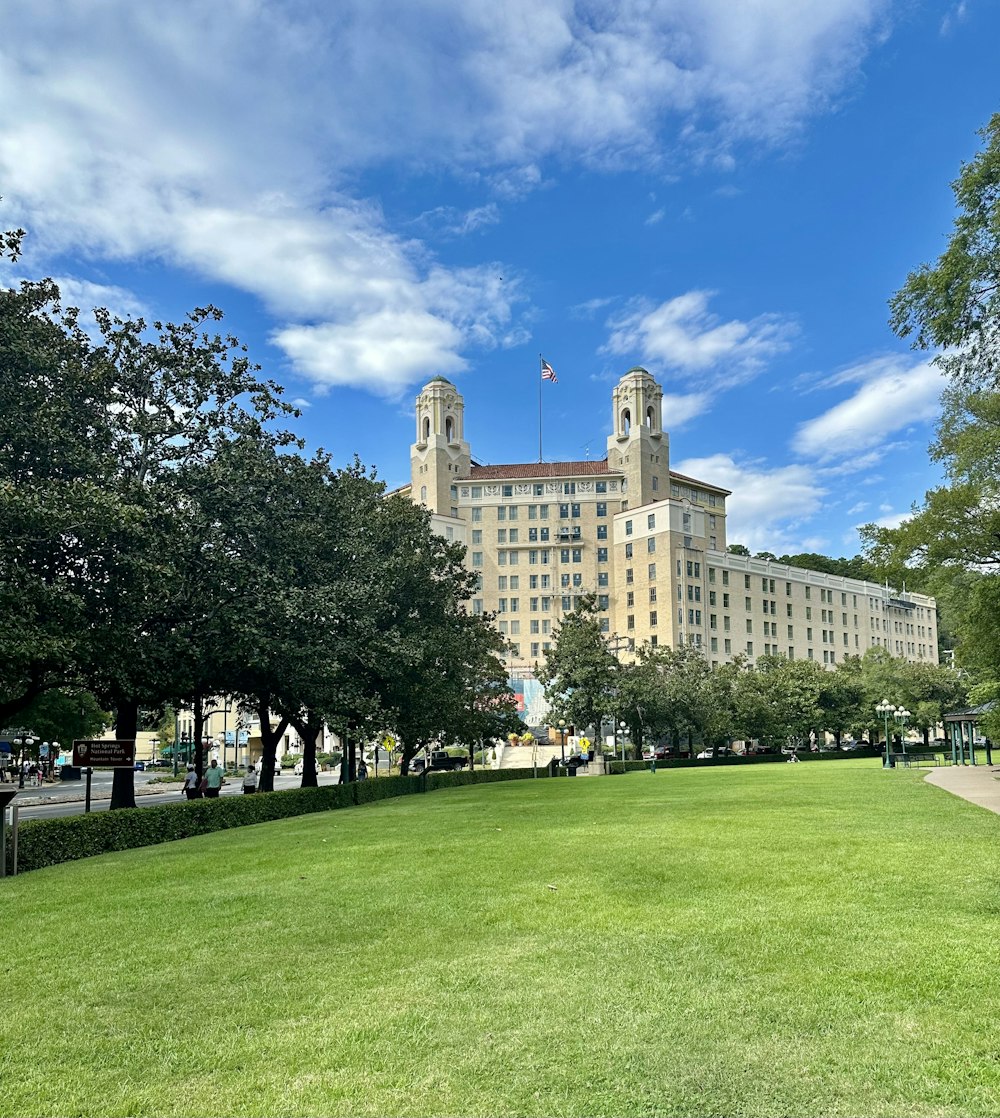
48,842
753,759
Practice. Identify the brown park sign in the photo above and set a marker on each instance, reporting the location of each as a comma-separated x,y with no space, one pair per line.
104,754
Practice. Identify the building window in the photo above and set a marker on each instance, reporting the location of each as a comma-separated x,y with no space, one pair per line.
477,516
630,621
628,576
651,520
602,578
477,558
652,618
602,531
513,535
628,527
630,599
628,551
477,605
749,648
651,544
577,555
725,578
652,593
477,535
602,508
564,512
602,555
746,582
651,571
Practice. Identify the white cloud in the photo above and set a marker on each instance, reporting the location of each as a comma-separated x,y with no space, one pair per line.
769,508
229,139
894,394
683,334
656,217
678,410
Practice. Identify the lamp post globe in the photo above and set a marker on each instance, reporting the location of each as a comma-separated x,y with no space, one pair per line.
885,709
562,739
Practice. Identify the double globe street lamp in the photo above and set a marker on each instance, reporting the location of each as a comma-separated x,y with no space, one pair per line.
900,716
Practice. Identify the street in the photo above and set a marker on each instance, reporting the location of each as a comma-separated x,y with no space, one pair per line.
67,798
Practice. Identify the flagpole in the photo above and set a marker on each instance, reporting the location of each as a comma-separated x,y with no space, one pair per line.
540,359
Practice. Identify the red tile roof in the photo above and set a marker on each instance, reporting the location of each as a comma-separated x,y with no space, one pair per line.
540,469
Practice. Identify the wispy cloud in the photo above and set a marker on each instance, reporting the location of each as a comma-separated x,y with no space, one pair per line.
682,334
770,509
894,394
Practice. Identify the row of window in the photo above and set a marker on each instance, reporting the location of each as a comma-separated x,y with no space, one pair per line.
544,582
537,489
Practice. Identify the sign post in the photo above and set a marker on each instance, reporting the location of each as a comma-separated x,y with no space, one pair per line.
102,754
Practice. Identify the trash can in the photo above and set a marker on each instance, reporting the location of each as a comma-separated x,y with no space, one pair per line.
553,766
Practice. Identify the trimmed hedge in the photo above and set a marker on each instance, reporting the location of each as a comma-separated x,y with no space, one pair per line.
48,842
754,759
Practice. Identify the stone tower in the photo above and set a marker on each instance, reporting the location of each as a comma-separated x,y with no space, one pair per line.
440,455
639,446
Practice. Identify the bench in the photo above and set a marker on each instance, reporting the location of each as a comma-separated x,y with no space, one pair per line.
909,759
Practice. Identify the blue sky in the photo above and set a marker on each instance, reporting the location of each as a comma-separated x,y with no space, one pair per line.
377,192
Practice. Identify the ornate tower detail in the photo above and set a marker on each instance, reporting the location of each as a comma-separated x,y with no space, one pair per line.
440,454
639,446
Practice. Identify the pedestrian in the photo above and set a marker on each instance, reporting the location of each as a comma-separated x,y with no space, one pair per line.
362,771
213,780
191,784
250,781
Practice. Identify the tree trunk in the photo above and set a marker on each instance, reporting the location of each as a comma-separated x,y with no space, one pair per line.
268,745
126,728
309,729
198,734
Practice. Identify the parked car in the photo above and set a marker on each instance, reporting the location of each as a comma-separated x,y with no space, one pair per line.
661,753
139,766
708,754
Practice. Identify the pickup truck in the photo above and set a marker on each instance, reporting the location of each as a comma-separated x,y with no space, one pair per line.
441,761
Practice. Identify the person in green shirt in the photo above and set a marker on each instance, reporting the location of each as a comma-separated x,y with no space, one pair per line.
213,780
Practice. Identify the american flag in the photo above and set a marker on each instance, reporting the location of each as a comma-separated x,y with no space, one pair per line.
548,373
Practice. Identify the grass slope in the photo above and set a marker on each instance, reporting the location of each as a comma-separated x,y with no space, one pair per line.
776,940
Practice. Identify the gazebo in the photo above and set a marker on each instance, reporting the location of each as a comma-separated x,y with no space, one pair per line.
960,727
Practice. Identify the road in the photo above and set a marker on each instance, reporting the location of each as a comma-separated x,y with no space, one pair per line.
63,799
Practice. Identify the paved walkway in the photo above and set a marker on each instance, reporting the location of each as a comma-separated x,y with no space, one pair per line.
979,784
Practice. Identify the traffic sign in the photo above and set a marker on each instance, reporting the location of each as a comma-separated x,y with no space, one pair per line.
104,754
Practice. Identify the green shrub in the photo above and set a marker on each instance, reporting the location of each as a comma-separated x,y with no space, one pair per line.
48,842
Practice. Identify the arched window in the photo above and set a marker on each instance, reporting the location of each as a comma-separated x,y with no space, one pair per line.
449,428
626,421
423,493
427,428
650,417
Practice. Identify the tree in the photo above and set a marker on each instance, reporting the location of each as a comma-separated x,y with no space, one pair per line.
954,305
738,549
580,674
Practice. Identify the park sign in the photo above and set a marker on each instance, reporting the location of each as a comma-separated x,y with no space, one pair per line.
104,754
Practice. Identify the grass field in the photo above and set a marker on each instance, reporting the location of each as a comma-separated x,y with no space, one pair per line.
778,940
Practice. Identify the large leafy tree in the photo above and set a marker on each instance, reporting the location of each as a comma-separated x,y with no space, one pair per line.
953,306
57,518
583,679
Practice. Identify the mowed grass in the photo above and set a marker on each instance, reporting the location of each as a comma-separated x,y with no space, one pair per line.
813,939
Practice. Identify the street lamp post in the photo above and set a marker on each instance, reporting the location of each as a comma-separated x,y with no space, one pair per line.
562,739
886,709
902,717
23,740
623,726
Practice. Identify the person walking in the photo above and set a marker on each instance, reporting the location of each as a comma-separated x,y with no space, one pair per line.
191,784
213,780
250,781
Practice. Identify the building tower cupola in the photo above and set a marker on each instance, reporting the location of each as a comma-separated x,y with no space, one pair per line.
440,454
639,446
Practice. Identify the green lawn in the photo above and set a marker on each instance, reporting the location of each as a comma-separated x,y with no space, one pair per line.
813,939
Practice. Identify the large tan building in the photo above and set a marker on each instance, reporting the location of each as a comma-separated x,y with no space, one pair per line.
649,542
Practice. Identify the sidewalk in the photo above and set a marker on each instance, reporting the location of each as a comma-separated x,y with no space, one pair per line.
976,783
76,792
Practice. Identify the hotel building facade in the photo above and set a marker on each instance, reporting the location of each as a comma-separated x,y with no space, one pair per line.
648,542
